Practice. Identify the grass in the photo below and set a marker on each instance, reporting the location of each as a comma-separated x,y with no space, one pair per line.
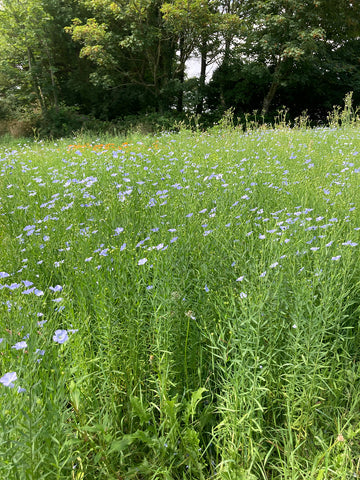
189,305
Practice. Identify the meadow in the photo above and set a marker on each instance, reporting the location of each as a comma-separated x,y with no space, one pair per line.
184,306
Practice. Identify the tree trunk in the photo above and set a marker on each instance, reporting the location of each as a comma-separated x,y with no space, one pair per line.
225,65
35,81
269,97
271,93
181,76
199,106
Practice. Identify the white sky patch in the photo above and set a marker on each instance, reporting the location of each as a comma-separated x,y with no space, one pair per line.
193,66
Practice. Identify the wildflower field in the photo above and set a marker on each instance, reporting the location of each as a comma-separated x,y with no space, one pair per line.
181,307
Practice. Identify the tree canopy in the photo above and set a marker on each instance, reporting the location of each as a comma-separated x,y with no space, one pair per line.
107,59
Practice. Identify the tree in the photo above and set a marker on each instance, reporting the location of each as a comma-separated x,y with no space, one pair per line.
129,46
198,26
27,55
283,33
39,64
280,33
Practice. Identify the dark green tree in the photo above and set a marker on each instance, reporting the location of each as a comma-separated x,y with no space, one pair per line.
199,26
129,46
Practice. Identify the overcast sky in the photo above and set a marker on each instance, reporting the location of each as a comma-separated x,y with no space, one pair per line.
193,68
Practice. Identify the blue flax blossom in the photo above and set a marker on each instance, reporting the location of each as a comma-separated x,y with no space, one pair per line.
29,290
19,345
8,379
61,336
142,261
350,243
57,300
57,288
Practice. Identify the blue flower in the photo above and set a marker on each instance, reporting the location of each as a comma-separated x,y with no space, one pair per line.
20,345
57,300
29,290
350,243
142,261
60,336
8,379
57,288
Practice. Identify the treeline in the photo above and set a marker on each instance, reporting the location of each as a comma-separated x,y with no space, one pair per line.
66,63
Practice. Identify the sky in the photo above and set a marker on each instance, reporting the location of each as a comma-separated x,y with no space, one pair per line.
193,68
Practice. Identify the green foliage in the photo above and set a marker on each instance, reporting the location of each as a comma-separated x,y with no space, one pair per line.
59,121
230,354
168,441
128,44
107,60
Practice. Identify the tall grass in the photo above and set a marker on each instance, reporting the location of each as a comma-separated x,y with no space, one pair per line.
181,307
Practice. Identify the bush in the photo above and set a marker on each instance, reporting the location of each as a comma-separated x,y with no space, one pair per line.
59,121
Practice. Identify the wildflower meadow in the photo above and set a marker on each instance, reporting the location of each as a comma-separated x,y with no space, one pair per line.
184,306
